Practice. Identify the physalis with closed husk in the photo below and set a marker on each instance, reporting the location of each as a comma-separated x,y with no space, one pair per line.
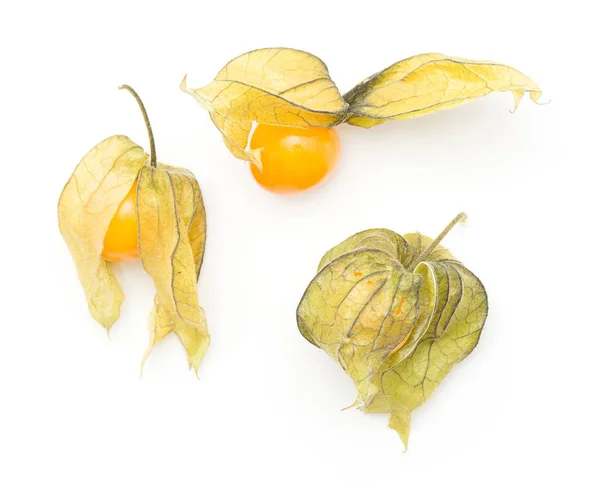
291,96
121,205
397,313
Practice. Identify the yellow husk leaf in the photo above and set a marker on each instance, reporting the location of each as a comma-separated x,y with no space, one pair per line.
172,231
271,86
428,82
85,208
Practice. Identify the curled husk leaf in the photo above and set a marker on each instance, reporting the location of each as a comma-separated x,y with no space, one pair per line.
288,87
172,233
423,84
171,237
397,313
272,86
86,206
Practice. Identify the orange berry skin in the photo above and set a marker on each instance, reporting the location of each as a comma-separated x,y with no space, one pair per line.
121,238
294,158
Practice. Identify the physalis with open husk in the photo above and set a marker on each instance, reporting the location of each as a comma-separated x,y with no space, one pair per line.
121,205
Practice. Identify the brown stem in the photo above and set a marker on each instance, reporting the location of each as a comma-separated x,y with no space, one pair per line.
146,120
425,253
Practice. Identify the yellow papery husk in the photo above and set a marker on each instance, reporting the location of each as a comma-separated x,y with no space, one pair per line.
288,87
271,86
172,233
86,207
429,82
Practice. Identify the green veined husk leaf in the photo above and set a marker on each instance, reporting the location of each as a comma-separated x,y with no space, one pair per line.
397,313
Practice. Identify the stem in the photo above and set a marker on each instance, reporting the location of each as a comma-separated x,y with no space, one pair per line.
146,120
425,253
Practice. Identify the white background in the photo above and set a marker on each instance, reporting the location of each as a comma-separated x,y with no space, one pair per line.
521,411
